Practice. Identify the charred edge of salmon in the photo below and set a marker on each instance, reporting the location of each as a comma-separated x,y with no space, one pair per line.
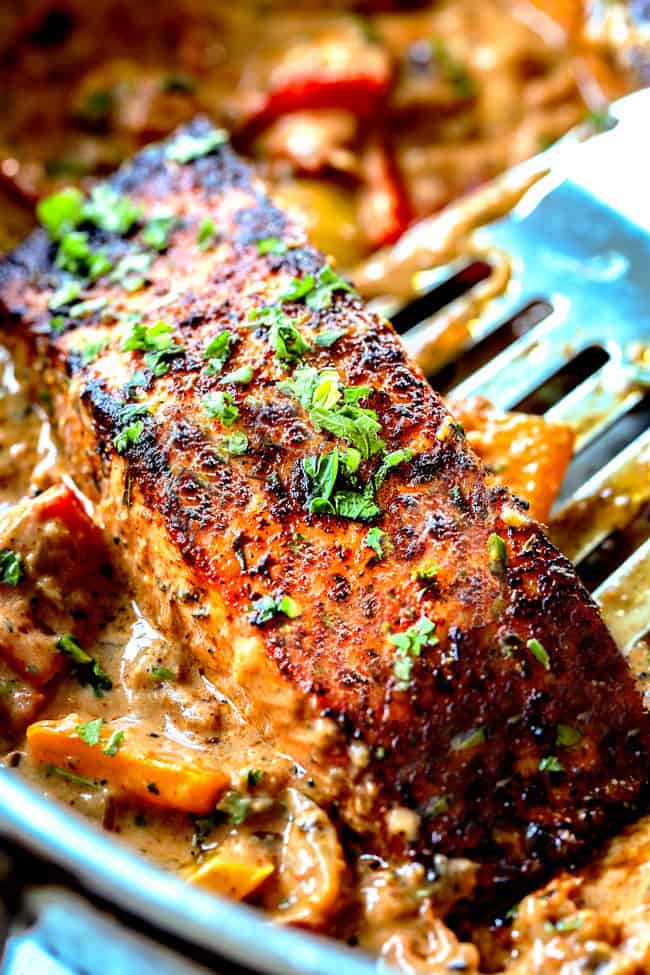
491,802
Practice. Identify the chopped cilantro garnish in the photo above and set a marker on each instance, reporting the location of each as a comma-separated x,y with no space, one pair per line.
333,490
155,341
266,608
90,349
12,571
236,444
113,744
241,376
328,337
284,338
129,435
89,732
497,554
374,540
65,294
389,461
272,245
334,408
551,764
81,308
187,147
85,668
235,806
159,229
110,210
131,411
539,653
317,292
61,212
566,736
57,324
131,269
410,645
468,739
254,777
218,351
221,406
76,256
207,234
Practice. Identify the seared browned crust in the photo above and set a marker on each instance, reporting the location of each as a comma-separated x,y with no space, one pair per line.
202,535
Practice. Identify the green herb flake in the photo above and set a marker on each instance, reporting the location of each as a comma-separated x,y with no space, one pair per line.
426,571
71,777
163,673
327,338
65,294
566,736
374,540
272,245
410,645
159,229
12,571
284,338
569,923
128,436
89,732
207,234
218,351
317,292
235,806
468,739
61,212
114,743
187,147
57,324
236,444
497,554
82,308
452,71
84,667
436,807
111,210
131,270
539,653
241,377
221,406
90,349
551,764
266,608
254,777
156,341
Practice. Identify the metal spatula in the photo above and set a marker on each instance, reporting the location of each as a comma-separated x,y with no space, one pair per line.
579,243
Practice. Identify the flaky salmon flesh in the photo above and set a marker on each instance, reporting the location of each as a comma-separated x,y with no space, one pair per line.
291,501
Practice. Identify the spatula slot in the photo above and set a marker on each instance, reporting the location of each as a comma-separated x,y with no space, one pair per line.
550,392
476,356
438,297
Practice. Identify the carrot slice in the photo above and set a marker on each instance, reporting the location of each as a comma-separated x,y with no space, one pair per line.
152,771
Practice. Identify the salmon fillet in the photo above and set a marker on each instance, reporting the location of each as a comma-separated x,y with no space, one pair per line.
292,501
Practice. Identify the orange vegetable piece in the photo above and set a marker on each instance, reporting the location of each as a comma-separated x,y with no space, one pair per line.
526,453
152,771
236,879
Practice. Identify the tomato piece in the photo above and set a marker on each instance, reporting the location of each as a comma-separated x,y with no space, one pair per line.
338,68
384,211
